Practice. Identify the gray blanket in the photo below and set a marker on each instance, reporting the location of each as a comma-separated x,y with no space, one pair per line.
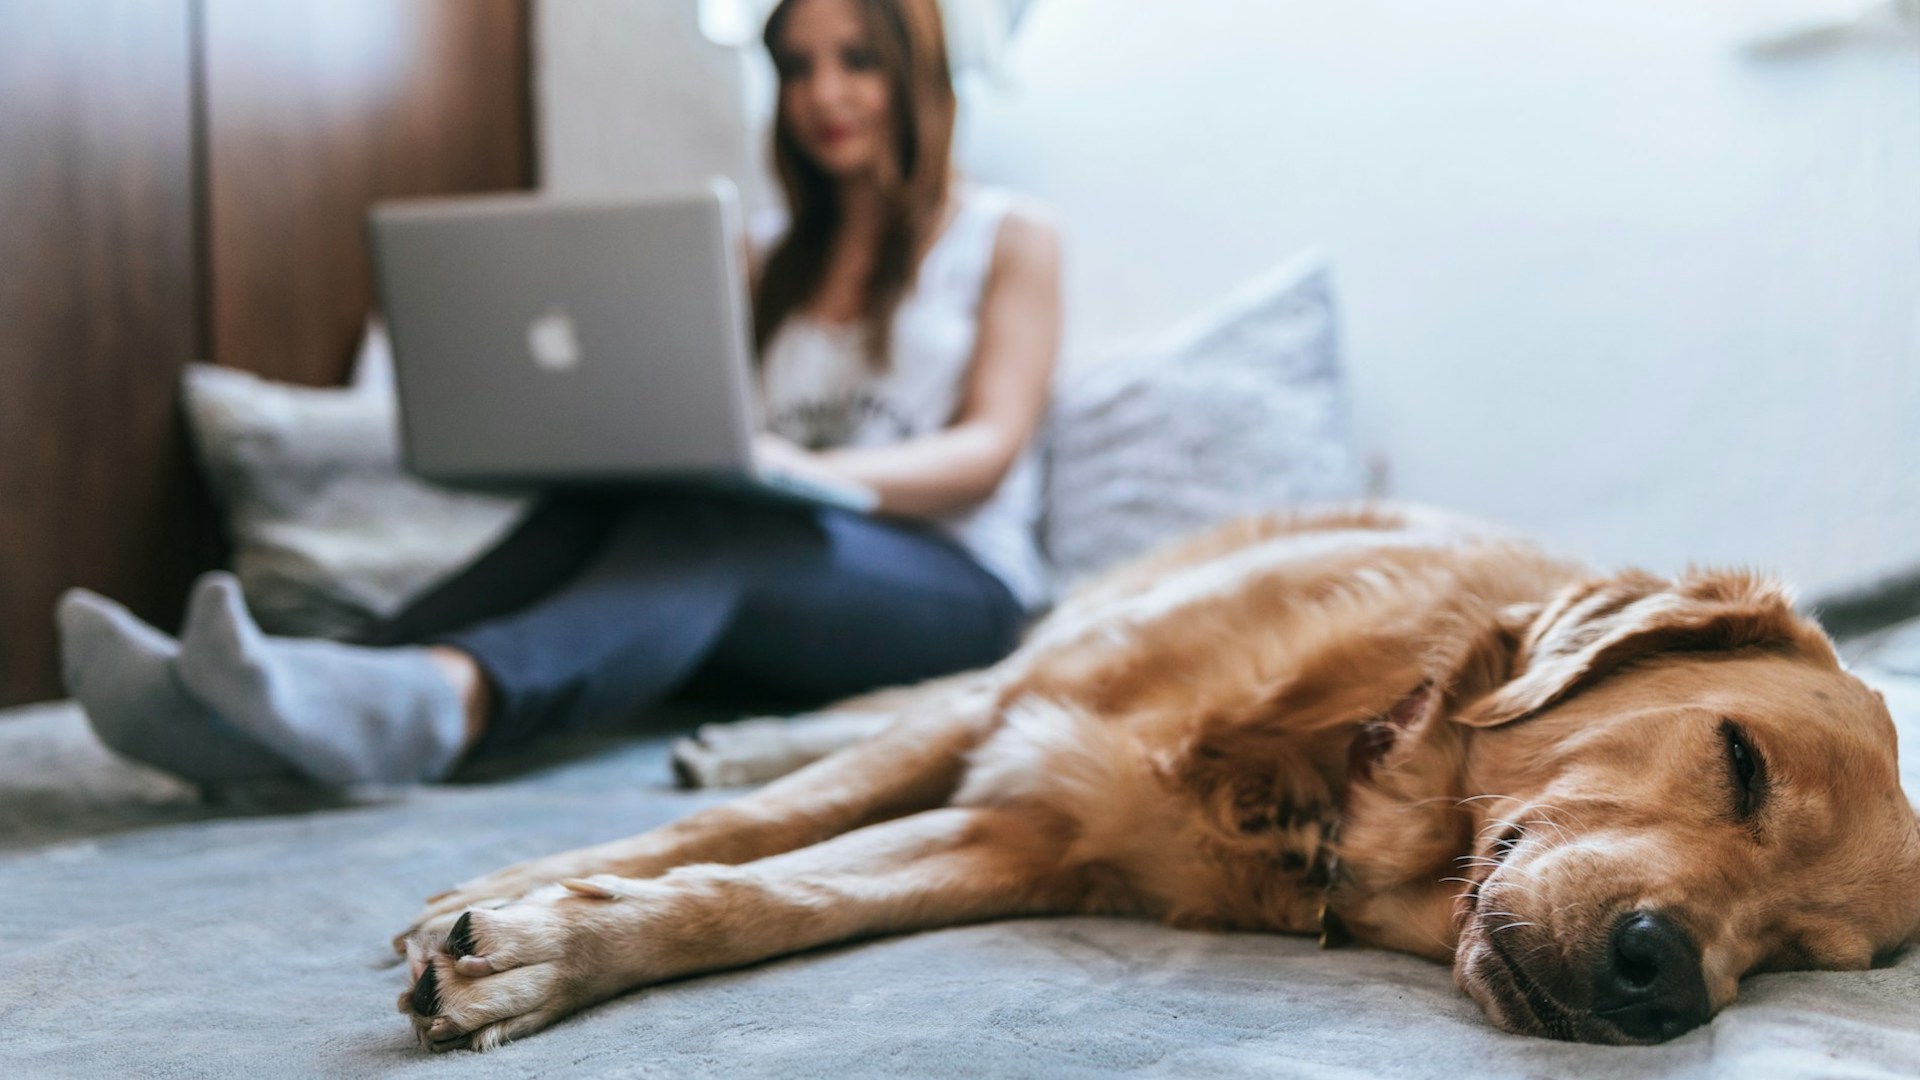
144,932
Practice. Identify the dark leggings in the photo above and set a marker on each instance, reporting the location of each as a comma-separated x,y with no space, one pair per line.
597,606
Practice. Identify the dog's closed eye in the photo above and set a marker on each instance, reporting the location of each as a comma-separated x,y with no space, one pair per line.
1747,770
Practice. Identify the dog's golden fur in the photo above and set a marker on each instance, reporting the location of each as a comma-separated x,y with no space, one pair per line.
1458,746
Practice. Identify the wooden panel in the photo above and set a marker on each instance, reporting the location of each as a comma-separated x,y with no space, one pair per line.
97,315
185,177
314,109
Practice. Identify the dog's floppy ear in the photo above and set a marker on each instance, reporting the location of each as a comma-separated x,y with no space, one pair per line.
1592,629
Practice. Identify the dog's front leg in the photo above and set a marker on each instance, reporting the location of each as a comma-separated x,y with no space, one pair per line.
913,766
504,972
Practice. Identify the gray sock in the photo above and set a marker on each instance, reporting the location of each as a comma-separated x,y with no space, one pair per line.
341,713
123,673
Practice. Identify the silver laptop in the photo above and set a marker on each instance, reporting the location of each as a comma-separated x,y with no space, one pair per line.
540,341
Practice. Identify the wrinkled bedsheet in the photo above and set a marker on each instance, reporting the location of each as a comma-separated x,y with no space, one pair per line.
146,932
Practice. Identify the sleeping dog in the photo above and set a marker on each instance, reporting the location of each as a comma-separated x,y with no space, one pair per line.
1602,799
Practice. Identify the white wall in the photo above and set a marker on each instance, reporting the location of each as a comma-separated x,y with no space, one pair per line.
1605,277
631,98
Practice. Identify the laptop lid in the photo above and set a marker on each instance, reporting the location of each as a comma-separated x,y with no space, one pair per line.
541,340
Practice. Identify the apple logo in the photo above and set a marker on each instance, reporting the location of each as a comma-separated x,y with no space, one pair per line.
552,341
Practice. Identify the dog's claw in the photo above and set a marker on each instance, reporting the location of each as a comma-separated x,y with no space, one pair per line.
455,1042
426,993
460,938
580,887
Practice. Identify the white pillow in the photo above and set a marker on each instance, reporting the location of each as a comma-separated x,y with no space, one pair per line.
328,533
1240,409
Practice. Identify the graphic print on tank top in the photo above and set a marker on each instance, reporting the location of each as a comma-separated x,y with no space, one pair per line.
826,422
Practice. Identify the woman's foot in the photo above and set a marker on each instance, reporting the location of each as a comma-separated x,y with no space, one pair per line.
341,713
123,673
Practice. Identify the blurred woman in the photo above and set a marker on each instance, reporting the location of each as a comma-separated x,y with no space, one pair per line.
907,324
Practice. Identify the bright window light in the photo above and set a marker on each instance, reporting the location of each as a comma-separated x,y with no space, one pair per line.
731,22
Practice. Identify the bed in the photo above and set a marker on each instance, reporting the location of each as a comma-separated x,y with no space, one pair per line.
146,931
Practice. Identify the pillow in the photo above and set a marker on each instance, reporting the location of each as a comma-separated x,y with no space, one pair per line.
1240,409
328,532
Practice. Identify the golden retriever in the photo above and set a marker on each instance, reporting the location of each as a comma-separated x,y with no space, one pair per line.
1602,799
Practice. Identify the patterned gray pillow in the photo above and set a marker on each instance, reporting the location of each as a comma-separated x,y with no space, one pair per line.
1241,409
328,533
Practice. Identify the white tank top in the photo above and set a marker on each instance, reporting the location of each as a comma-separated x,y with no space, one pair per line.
819,391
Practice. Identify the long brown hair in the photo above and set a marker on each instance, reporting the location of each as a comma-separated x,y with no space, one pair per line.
912,49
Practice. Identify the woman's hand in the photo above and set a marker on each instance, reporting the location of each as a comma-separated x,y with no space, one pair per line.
773,452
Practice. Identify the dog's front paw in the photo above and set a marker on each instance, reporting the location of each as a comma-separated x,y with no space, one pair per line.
495,974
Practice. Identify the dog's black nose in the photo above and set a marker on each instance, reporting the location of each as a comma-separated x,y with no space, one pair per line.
1650,983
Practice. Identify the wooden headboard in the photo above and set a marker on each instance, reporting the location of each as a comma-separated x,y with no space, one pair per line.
185,180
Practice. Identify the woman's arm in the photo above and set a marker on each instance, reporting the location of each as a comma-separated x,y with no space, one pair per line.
1005,398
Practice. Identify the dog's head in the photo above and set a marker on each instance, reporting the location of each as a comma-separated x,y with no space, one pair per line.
1681,786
